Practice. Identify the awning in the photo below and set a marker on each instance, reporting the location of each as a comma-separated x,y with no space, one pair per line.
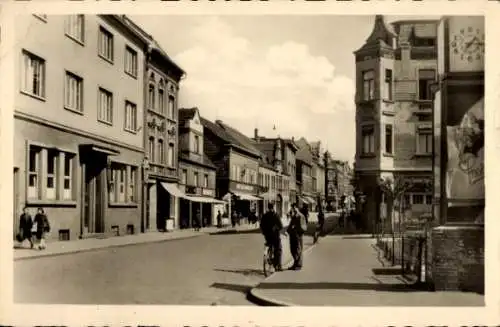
174,190
100,148
248,197
204,199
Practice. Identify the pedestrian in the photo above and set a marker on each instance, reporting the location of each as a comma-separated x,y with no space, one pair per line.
234,216
219,219
296,230
321,223
197,222
305,211
25,226
271,227
42,228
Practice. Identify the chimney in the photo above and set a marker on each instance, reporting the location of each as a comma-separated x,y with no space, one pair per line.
218,121
256,134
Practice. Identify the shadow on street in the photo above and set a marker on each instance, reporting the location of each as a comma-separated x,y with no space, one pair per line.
244,272
339,286
232,287
358,237
386,271
235,231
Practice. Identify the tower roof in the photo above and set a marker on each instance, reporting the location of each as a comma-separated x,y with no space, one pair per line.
382,35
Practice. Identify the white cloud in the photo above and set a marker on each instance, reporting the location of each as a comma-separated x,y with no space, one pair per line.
283,85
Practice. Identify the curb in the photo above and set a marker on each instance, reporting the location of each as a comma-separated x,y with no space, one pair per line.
262,300
104,247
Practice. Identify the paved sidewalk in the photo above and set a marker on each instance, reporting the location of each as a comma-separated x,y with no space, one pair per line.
345,271
92,244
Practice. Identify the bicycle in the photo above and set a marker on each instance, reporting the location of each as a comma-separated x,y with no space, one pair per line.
268,260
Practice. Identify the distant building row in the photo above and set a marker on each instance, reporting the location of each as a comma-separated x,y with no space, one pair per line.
101,144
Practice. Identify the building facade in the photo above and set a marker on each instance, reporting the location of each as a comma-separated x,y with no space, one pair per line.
275,171
304,174
78,145
197,172
318,173
161,86
395,69
237,162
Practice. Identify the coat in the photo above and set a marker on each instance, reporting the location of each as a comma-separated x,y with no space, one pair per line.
42,225
298,224
25,225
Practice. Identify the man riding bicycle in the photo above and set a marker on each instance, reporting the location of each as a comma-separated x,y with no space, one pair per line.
271,227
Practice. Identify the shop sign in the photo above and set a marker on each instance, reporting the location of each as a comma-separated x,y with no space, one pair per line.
244,187
207,192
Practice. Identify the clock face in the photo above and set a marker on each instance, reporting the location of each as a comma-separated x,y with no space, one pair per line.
468,44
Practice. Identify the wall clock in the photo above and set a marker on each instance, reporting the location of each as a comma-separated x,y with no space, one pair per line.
468,44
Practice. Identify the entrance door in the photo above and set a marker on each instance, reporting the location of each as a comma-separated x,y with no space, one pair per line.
94,192
15,196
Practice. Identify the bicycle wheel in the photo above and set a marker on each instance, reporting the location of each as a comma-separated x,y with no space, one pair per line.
267,262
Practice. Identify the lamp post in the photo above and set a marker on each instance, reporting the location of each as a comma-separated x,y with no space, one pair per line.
325,160
144,207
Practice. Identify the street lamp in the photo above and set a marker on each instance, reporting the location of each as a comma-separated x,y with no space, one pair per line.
145,177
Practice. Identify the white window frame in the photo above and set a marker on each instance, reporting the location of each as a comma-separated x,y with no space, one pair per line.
368,140
184,176
130,117
132,185
161,151
73,92
75,28
421,131
51,192
68,176
151,95
171,107
429,82
151,148
34,191
388,127
33,75
121,181
196,143
196,178
131,61
388,84
368,78
205,180
105,106
161,97
105,47
170,155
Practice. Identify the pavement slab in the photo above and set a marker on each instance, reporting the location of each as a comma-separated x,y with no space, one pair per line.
345,271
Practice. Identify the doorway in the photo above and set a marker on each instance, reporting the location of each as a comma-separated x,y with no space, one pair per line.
162,208
93,197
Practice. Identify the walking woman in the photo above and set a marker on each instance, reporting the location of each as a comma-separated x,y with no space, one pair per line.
25,226
42,228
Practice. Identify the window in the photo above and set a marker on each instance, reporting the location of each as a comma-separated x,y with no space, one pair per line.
151,96
424,141
51,174
426,78
33,172
33,75
68,177
132,181
205,181
407,200
171,107
428,199
73,95
368,138
170,155
388,139
161,97
195,181
130,61
106,44
56,174
417,199
196,144
75,28
388,85
184,176
368,85
151,147
122,186
130,117
161,152
105,109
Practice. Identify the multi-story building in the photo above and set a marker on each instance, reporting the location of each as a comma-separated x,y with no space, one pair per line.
197,172
395,69
237,162
318,172
161,84
304,173
78,144
278,157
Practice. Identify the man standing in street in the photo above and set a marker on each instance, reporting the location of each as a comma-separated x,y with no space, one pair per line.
296,230
271,227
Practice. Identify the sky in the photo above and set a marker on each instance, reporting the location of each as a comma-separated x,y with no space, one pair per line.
294,73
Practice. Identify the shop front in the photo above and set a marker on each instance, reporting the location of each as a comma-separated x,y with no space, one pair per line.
243,199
